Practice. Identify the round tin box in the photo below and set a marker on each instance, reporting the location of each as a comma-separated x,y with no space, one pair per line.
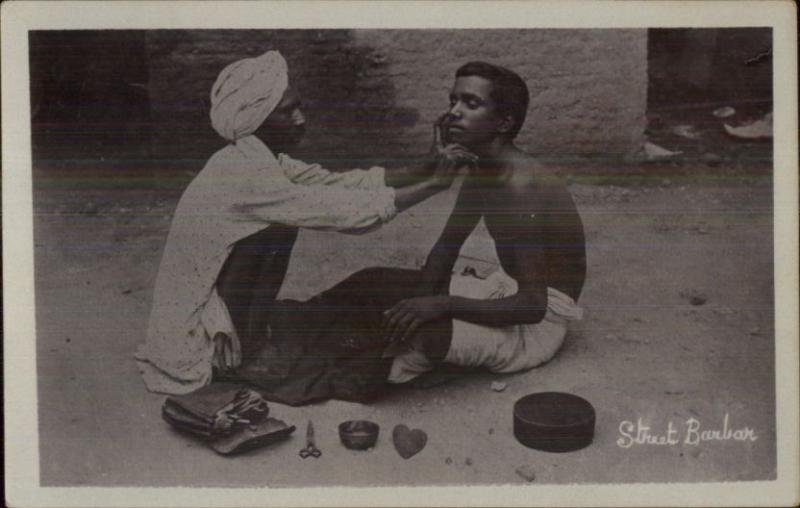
554,421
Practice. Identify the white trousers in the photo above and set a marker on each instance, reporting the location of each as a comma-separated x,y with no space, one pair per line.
502,349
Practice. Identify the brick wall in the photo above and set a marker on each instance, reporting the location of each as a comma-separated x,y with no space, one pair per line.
373,94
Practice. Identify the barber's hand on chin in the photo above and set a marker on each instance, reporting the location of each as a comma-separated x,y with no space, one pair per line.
403,320
452,160
448,160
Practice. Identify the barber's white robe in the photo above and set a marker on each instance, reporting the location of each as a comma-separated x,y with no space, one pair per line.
242,190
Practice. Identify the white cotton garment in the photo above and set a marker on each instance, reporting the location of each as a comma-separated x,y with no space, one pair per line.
499,349
242,189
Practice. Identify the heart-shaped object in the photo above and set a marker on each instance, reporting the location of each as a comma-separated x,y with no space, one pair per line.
408,442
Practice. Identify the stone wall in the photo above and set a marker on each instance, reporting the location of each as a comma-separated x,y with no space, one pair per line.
373,94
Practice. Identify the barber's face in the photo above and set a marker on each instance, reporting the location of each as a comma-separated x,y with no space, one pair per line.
285,126
472,119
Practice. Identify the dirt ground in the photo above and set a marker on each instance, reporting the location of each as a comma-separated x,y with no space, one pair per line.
679,325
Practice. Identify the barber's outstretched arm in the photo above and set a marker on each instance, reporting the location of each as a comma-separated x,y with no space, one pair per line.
320,203
451,160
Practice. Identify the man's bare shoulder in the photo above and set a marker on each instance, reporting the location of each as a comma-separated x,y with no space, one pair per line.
531,175
525,167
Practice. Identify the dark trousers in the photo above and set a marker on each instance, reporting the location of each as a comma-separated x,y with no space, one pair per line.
251,278
330,346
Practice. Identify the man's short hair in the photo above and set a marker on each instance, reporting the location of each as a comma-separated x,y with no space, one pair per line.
509,91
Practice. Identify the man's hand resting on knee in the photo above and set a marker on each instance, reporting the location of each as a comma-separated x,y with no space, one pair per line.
402,321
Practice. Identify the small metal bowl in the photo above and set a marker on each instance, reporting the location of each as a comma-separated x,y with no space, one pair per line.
358,434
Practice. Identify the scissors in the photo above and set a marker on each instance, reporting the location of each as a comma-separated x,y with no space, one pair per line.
310,449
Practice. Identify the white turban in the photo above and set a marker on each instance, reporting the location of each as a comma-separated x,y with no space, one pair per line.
246,92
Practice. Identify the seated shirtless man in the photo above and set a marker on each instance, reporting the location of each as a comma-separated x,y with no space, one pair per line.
516,318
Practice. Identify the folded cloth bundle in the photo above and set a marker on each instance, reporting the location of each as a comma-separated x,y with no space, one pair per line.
232,417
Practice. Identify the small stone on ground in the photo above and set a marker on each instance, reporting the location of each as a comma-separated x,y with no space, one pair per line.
498,386
527,473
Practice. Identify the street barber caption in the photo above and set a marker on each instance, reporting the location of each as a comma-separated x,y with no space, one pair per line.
691,432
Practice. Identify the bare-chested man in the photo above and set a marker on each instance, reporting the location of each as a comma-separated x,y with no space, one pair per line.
516,318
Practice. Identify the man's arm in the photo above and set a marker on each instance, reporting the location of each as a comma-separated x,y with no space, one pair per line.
303,173
413,170
527,306
277,199
410,195
406,316
448,161
438,267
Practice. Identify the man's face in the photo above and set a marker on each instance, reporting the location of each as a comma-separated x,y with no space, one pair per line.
473,118
285,126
